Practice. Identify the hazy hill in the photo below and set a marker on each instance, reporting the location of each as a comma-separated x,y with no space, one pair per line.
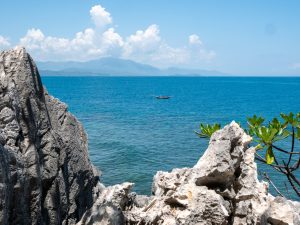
114,66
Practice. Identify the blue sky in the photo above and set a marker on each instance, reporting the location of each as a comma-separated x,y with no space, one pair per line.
237,37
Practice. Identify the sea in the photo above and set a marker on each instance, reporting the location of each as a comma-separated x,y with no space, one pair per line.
132,135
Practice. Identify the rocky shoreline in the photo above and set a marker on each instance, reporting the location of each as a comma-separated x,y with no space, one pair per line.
46,176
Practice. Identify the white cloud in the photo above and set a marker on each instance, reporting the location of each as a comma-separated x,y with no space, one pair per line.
112,43
86,45
111,38
143,42
145,39
84,38
32,39
100,16
198,51
194,39
4,42
146,46
170,56
54,48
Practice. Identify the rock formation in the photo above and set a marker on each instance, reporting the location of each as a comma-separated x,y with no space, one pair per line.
46,176
222,188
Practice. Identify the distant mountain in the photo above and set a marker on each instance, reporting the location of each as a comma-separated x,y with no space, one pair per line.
115,67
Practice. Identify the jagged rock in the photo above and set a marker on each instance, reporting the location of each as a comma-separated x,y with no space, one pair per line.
222,188
197,195
138,200
46,176
107,210
283,212
221,160
251,200
164,181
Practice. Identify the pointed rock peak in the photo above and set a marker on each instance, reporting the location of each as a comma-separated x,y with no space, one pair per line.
18,52
44,161
20,49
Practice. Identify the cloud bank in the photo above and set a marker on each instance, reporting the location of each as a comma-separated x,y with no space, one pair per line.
102,40
4,42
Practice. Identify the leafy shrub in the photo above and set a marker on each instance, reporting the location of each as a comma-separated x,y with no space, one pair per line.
268,137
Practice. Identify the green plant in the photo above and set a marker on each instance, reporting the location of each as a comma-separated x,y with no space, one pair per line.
207,130
268,137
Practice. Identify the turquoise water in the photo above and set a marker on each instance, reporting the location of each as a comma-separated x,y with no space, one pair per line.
132,135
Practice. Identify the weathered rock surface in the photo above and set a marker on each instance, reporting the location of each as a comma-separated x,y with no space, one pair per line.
222,188
282,212
46,176
45,173
109,206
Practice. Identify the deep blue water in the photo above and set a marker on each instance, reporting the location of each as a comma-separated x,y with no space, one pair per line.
132,135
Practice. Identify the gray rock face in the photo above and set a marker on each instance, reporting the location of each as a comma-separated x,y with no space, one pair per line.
45,173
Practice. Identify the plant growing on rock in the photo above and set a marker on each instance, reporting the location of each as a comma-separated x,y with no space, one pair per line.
268,137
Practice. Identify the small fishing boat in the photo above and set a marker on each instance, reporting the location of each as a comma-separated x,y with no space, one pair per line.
163,97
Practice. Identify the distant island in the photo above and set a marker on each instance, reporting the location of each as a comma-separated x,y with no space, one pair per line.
117,67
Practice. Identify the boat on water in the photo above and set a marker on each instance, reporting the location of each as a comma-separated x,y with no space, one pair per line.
163,97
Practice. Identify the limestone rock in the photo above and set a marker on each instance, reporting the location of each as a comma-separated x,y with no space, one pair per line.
222,157
252,198
283,212
107,210
222,188
45,174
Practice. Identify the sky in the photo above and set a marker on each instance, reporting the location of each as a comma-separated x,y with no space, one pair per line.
250,37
